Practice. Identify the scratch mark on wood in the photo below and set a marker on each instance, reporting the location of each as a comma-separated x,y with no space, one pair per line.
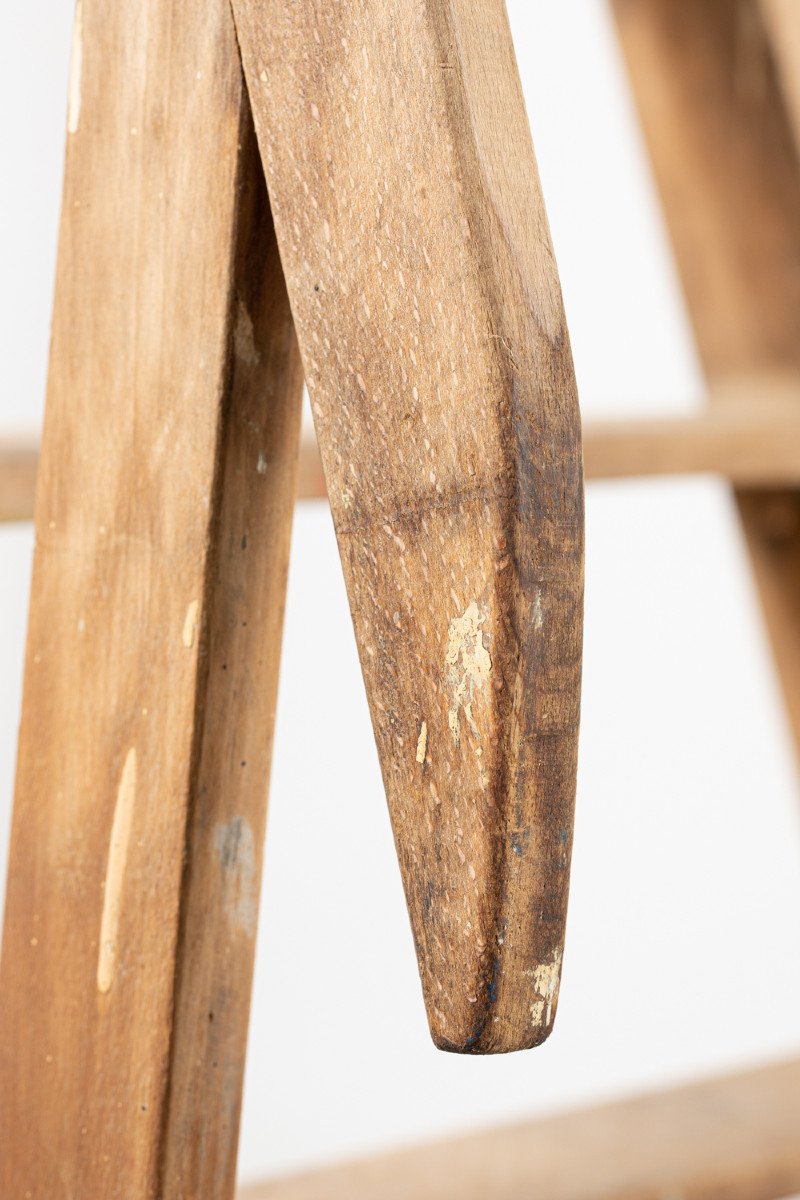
115,873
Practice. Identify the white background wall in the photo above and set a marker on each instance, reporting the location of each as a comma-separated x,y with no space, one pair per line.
682,953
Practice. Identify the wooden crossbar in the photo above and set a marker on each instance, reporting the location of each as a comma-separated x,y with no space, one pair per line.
736,1137
752,445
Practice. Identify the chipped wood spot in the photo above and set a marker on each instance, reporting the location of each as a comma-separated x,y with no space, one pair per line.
538,615
422,742
546,978
75,72
469,666
236,854
190,624
115,873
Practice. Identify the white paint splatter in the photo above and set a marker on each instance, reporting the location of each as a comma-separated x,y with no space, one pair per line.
115,873
261,465
546,978
75,72
537,615
468,666
236,852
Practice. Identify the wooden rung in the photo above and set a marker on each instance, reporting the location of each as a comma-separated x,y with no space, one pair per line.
19,458
752,445
737,1137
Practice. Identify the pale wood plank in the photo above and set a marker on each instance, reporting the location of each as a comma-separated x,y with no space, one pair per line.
735,1138
164,500
725,159
422,283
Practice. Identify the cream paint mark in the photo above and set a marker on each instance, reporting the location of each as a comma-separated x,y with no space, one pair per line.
537,616
115,873
422,743
236,852
190,624
546,978
244,339
468,666
261,465
75,72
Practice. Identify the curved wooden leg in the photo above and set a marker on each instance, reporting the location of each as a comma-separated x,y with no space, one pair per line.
422,282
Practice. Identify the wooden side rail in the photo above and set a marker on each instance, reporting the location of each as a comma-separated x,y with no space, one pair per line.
736,1137
751,445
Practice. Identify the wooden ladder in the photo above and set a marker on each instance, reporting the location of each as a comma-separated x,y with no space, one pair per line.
358,179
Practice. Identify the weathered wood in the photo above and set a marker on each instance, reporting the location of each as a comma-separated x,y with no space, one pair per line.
423,288
735,1138
726,162
164,502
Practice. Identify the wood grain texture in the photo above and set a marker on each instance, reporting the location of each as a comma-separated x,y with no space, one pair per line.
424,292
164,500
725,159
736,1138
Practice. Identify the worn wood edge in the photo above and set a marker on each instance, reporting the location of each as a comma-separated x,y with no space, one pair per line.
736,1137
750,444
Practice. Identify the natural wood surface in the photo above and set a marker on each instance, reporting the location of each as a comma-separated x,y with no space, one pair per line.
425,296
752,443
716,122
729,1139
164,501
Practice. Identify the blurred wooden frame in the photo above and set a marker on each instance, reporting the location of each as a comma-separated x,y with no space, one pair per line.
716,86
